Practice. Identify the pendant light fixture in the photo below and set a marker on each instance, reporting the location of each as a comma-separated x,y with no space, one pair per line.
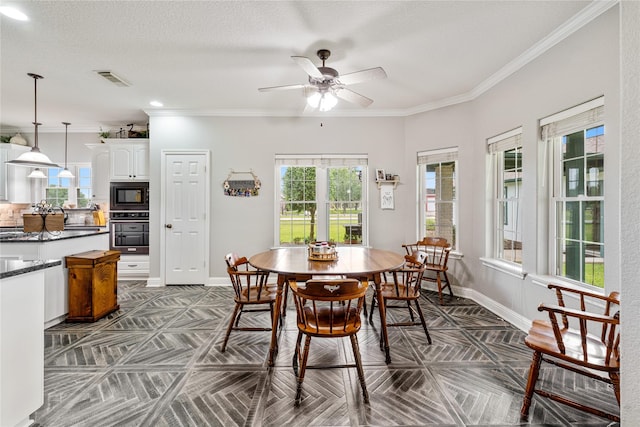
37,174
65,173
34,158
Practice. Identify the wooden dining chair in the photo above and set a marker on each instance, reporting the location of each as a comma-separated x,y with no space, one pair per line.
565,341
252,293
437,250
327,308
403,286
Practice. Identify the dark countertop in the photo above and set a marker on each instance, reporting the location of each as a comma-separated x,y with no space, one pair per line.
15,267
21,237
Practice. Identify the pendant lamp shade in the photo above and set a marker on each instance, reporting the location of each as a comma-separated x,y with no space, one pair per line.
65,173
34,158
37,174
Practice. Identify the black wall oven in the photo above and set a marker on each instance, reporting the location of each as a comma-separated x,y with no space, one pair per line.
129,196
129,231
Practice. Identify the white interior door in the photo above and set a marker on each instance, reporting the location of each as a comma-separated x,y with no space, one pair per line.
185,218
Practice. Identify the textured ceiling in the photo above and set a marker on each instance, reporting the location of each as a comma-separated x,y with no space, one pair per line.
209,57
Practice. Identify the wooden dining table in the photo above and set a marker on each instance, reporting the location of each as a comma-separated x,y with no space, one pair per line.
352,261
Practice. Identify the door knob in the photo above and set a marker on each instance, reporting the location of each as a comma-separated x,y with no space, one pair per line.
168,225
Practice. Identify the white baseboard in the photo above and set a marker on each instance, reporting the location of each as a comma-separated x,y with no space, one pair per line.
505,313
500,310
154,282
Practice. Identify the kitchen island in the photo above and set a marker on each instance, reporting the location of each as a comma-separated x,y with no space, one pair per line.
22,338
55,245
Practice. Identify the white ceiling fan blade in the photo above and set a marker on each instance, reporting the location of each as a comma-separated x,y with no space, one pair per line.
286,87
308,67
353,97
362,76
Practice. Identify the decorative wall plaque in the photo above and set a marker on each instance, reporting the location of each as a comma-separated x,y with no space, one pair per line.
236,187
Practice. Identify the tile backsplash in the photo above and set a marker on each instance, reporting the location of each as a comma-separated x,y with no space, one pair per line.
11,214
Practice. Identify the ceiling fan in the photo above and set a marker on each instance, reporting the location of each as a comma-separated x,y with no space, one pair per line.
325,83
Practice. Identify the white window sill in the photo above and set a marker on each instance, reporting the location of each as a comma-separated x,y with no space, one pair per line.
514,270
544,280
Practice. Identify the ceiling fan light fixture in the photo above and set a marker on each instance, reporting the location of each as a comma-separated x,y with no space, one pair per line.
324,101
314,100
327,101
326,84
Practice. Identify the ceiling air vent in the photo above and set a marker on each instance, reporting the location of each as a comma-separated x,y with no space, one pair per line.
113,78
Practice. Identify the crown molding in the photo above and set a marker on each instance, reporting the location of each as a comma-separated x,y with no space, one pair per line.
579,20
274,113
50,129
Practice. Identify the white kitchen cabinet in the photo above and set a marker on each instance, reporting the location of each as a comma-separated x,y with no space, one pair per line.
56,288
22,343
100,172
133,266
129,161
15,186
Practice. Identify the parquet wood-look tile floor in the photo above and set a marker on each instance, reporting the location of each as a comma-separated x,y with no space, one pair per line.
156,362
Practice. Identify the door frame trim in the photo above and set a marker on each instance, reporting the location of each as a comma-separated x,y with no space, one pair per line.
207,203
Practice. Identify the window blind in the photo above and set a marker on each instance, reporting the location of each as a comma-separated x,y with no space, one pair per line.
326,160
574,119
506,141
438,156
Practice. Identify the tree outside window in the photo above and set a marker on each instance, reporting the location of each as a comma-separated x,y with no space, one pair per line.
580,207
321,200
60,190
298,205
83,191
438,198
57,190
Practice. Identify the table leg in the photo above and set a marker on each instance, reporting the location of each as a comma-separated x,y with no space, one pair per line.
273,346
383,316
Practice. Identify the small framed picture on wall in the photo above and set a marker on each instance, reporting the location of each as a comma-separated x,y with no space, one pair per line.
380,175
386,197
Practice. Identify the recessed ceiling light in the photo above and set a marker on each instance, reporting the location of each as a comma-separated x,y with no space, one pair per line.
13,13
156,104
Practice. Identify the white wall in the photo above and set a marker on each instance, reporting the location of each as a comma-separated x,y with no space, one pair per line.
629,210
246,225
582,67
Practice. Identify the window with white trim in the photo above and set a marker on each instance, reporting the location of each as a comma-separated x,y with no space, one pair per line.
575,139
506,165
59,190
438,205
321,198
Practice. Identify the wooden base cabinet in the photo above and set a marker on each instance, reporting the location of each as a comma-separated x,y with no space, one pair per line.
92,285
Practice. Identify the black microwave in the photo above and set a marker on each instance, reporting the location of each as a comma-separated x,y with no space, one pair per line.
129,196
